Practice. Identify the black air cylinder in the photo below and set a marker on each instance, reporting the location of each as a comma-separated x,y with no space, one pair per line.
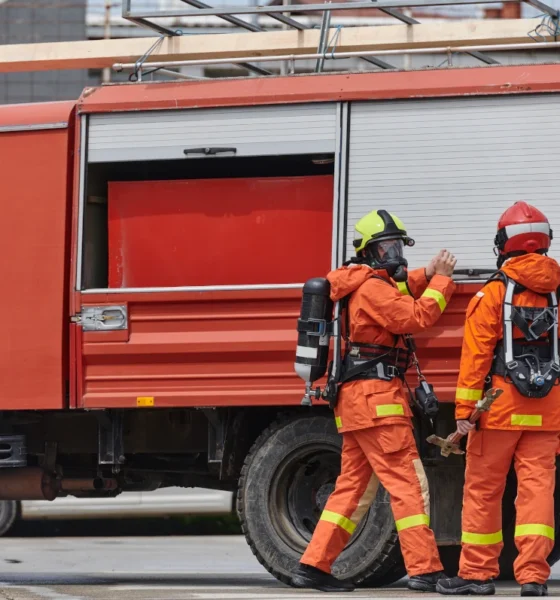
314,330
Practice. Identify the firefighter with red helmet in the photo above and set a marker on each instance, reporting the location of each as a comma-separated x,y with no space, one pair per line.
511,342
372,412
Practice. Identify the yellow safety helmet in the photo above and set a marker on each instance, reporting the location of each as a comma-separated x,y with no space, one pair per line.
379,225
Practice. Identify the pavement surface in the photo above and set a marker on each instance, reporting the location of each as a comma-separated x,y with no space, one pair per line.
158,568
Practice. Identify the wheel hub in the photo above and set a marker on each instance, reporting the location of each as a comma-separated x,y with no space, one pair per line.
299,490
323,494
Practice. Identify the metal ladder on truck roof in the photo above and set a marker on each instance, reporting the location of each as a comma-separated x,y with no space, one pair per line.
326,49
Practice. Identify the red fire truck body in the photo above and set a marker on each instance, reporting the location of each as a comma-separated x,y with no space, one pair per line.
155,238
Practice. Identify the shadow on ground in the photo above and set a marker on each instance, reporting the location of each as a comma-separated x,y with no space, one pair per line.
195,525
204,581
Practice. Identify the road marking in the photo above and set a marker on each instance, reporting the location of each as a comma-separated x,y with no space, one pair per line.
214,592
186,574
41,591
177,586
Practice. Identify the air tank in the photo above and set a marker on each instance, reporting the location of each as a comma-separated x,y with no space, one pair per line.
314,330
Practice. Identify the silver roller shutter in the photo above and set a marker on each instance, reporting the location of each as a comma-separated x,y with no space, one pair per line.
449,167
253,131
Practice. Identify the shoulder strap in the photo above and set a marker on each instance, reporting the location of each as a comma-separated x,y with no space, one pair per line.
553,333
497,276
513,317
370,364
501,276
344,307
508,320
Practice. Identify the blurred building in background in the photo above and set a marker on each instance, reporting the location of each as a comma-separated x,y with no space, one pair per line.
23,21
27,21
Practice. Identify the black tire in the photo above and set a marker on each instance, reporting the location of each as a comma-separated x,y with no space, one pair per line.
285,482
449,556
9,514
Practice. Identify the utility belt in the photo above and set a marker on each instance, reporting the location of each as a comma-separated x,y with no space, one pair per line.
371,361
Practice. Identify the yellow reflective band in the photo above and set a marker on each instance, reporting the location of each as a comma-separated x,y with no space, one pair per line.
482,539
403,288
437,296
339,520
389,410
466,394
338,422
543,530
414,521
528,420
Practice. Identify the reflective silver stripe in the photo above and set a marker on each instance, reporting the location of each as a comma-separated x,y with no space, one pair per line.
34,127
197,288
306,352
508,325
512,230
337,341
555,356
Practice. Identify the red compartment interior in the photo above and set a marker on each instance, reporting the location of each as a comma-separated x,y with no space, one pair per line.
203,232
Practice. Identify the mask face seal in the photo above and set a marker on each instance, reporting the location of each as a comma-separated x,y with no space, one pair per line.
388,255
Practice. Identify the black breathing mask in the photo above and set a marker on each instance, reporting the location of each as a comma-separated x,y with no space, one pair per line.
388,255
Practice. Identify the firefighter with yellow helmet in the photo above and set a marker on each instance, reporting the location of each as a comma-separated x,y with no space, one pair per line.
385,302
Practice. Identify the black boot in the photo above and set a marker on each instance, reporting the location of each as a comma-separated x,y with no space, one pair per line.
307,576
534,589
426,582
458,585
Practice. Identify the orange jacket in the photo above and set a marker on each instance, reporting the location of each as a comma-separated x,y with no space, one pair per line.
379,310
483,330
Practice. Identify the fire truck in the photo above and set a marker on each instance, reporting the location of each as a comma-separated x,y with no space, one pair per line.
155,238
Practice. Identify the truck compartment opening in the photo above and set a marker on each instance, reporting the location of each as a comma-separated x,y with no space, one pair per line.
208,221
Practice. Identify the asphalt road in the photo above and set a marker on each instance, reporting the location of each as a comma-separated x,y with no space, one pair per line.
155,568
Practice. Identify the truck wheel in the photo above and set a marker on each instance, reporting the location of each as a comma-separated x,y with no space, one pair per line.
9,513
287,477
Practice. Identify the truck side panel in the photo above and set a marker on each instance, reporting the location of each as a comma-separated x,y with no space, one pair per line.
34,154
227,349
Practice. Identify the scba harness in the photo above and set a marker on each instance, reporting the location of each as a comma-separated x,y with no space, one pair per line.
358,360
530,363
372,361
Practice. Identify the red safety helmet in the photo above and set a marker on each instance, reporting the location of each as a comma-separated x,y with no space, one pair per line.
522,229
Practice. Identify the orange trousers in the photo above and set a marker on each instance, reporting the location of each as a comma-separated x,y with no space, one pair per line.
489,456
385,453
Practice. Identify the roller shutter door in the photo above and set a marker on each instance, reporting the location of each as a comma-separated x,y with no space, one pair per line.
252,131
449,167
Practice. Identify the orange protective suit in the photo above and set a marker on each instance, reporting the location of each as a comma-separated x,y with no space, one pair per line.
375,420
517,428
